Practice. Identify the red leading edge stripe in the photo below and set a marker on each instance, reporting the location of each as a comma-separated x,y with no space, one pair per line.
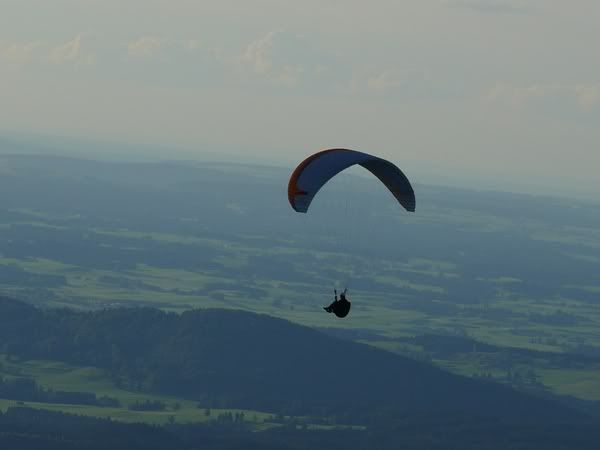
293,189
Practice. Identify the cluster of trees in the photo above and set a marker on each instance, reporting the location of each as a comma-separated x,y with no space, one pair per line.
30,429
509,359
558,318
27,390
520,378
92,250
147,405
238,418
33,429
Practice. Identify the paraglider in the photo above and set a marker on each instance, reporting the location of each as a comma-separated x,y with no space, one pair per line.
316,170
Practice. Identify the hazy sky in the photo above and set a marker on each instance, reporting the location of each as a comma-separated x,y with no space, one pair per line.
494,89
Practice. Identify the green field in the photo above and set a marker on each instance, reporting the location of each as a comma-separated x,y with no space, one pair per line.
62,377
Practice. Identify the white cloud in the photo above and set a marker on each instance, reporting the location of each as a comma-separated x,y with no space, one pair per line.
390,83
588,96
395,79
170,61
583,96
192,44
384,81
259,53
146,47
68,52
280,59
350,87
23,53
489,6
155,48
286,58
19,53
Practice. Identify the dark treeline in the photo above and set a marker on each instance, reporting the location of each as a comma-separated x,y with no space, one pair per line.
27,390
86,248
445,346
26,429
147,405
224,358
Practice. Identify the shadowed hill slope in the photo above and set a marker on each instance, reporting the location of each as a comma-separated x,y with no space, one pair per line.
235,358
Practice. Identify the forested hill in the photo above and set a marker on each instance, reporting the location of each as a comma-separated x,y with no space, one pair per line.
235,358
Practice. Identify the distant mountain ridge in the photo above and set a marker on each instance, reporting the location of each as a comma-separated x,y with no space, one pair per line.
242,359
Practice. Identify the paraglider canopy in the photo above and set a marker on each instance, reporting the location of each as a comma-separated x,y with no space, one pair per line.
316,170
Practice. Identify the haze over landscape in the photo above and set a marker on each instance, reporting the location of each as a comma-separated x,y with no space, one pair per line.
153,271
490,90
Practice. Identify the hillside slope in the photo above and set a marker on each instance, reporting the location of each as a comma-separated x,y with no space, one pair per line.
235,358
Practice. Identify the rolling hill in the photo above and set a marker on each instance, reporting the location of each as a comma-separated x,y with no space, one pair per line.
232,358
